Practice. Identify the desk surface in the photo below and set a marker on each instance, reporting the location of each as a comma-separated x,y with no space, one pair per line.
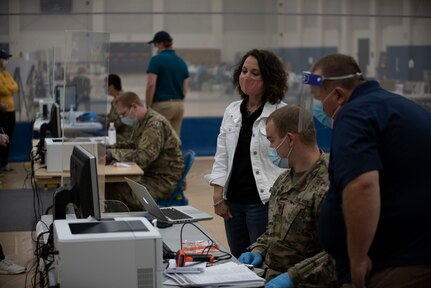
171,235
77,126
112,174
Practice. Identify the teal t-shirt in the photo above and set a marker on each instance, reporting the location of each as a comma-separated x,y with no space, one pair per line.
171,71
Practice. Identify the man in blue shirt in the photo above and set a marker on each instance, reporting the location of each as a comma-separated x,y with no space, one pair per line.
375,220
167,83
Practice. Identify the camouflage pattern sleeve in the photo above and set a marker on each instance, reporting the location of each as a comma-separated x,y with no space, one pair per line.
156,148
319,268
290,240
261,244
114,117
145,145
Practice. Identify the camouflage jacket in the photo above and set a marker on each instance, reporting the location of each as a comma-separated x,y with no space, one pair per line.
123,131
156,148
290,242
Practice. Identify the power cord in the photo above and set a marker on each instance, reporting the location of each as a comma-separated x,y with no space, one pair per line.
225,255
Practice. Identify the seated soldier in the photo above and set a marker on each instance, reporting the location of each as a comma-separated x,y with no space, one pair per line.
153,145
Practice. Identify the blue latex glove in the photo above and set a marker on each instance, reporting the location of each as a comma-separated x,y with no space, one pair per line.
281,281
252,258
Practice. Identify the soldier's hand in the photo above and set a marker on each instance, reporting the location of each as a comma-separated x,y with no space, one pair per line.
107,159
252,258
281,281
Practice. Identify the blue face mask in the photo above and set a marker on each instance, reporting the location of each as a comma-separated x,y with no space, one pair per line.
320,114
275,158
105,90
129,121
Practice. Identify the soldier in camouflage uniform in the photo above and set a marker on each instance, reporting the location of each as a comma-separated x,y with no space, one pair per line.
153,145
289,249
114,89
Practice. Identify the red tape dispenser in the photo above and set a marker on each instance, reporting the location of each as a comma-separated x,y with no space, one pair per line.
182,258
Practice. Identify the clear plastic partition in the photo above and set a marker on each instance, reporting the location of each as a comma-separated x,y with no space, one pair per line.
82,101
32,72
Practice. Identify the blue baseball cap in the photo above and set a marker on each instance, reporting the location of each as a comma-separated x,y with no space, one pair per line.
160,36
4,54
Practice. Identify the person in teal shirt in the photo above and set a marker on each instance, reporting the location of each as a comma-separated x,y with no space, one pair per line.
167,82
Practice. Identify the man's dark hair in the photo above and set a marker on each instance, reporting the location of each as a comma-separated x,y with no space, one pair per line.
274,75
114,79
334,65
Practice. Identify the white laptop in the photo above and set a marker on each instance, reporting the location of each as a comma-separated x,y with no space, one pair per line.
175,214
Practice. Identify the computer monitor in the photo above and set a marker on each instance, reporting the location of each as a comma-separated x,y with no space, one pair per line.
83,190
66,96
53,126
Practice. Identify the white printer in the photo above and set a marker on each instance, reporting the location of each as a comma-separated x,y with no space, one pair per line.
58,151
122,252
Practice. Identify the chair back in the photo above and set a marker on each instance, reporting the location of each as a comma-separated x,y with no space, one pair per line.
177,197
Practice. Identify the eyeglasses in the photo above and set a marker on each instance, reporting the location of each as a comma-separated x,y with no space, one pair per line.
125,112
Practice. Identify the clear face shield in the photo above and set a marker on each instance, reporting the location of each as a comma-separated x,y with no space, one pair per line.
317,80
306,111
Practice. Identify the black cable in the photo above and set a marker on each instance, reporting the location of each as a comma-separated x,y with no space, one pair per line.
45,252
225,256
37,200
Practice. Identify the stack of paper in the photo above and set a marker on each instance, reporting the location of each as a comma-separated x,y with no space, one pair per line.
223,275
191,267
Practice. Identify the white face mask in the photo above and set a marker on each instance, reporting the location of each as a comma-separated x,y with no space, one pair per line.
5,62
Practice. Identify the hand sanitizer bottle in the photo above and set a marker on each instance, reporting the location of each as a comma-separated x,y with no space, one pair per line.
72,118
112,134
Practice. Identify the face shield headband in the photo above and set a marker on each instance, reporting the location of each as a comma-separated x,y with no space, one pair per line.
317,80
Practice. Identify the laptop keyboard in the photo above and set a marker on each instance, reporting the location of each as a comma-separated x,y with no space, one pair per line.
174,214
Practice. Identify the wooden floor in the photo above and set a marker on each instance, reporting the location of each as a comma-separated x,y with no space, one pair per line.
19,246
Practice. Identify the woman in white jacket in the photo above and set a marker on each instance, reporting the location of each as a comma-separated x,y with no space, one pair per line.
244,171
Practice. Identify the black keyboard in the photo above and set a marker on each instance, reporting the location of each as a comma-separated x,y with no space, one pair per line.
174,214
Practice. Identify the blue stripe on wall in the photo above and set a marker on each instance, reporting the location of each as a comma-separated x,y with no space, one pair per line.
200,135
398,59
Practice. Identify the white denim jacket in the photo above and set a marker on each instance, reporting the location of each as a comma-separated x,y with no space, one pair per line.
265,172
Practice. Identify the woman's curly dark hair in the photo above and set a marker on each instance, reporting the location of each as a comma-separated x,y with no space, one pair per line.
273,74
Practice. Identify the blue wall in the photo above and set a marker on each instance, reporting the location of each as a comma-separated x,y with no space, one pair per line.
298,57
200,135
20,144
398,59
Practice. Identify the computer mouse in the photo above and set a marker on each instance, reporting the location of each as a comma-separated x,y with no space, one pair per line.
163,224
